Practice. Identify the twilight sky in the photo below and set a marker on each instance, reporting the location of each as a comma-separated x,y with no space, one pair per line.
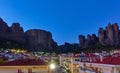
65,19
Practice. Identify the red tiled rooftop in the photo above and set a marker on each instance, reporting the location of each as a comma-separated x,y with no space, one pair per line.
116,54
109,60
22,62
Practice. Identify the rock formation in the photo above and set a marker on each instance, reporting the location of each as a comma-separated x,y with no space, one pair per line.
39,39
108,36
101,35
87,42
81,40
32,39
16,28
116,34
3,26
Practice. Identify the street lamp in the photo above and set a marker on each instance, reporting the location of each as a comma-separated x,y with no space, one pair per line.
52,66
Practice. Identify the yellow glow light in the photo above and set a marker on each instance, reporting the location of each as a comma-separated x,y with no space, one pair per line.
52,66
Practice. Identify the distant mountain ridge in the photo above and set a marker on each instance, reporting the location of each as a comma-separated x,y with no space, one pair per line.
108,36
40,40
33,39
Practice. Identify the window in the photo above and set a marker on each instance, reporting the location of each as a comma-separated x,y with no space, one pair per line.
77,60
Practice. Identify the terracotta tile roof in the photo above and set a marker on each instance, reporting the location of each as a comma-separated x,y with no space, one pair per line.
109,60
22,62
116,54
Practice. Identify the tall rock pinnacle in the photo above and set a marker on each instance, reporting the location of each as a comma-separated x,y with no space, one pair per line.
108,36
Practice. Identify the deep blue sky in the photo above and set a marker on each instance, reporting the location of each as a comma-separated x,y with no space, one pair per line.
65,19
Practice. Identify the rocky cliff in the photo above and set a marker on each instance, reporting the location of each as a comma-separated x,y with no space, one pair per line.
89,41
108,36
39,39
31,39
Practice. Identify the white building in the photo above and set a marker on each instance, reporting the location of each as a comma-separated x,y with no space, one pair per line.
96,64
91,63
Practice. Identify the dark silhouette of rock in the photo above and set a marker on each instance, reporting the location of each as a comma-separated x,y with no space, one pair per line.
17,33
16,28
31,39
39,39
87,42
13,33
101,36
3,26
116,34
94,37
108,36
81,40
68,48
